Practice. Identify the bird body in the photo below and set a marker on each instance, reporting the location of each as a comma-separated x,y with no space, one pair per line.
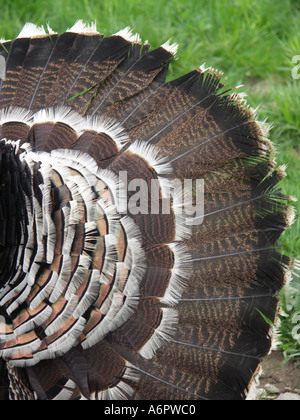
116,281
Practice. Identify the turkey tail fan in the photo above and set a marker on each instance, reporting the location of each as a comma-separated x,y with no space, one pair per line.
121,275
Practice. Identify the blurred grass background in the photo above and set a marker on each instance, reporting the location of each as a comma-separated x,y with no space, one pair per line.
252,41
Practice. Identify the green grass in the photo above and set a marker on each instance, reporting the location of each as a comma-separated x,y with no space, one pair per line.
252,41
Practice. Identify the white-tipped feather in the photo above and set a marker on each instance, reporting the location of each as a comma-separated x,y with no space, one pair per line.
26,349
16,114
152,156
265,127
127,34
78,276
110,214
63,279
90,296
9,292
121,391
30,30
34,322
108,126
116,312
67,391
44,292
69,339
203,68
50,30
171,47
113,190
163,333
179,198
84,28
62,114
76,159
19,300
181,273
63,316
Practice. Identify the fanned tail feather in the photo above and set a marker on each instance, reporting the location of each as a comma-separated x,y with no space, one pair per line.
98,302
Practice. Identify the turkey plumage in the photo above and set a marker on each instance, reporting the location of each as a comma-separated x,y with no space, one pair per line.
121,275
